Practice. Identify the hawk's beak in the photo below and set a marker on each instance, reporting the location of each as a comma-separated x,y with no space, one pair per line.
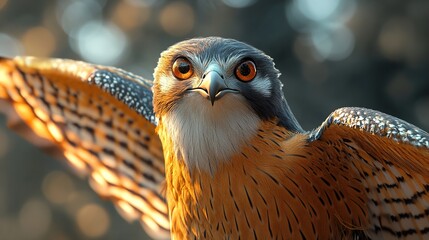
213,86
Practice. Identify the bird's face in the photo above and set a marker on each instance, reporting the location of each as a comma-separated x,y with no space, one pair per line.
214,72
211,95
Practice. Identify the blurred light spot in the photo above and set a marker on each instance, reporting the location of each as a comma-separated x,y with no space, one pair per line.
57,187
333,44
9,228
2,4
4,143
72,15
421,109
304,14
239,3
324,22
177,19
57,235
143,3
100,43
93,221
76,200
39,41
396,38
128,16
9,46
317,10
34,219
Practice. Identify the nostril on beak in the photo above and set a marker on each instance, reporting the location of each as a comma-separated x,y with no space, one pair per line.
213,86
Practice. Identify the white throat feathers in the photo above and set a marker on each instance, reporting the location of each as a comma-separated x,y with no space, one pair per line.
203,135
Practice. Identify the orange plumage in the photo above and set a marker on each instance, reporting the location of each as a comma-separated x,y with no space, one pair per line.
280,186
267,190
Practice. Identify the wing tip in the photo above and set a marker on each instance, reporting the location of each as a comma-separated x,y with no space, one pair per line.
6,62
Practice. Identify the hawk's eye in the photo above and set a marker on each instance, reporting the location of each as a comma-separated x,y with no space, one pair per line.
246,71
182,68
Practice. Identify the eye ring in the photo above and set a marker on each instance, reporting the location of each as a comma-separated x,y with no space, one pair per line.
182,68
246,71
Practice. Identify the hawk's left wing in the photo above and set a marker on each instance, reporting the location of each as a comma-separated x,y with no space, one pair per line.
377,167
100,120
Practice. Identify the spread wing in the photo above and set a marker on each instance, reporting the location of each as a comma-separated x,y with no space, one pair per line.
100,120
389,158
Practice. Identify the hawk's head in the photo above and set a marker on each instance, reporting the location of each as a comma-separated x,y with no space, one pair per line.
217,90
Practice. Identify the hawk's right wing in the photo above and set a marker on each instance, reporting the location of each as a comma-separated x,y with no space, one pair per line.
101,121
378,170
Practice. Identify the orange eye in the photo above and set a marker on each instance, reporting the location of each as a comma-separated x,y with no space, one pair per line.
246,71
182,68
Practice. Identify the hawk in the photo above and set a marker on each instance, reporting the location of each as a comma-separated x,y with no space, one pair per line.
211,150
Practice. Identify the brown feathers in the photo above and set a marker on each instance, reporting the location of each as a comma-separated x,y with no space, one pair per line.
52,104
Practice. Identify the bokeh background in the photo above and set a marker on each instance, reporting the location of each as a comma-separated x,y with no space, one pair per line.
332,53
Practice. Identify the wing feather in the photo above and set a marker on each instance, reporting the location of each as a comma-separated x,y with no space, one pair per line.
100,120
391,159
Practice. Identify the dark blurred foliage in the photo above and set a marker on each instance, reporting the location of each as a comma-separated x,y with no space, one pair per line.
332,53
